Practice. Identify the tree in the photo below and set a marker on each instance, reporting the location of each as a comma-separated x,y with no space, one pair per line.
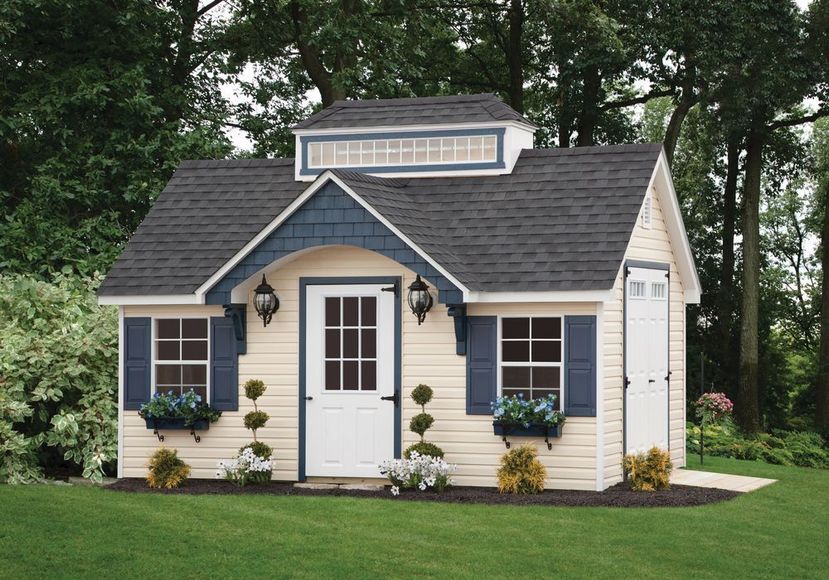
821,153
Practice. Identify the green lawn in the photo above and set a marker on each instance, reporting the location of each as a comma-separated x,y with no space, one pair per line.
50,531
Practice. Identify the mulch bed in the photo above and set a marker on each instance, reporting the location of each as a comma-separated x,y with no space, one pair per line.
619,495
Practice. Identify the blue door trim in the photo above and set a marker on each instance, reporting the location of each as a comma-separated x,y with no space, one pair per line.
398,349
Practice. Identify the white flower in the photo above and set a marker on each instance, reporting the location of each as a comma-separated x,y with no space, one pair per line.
395,490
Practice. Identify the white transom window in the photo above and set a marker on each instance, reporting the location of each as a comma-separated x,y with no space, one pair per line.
530,356
394,152
180,355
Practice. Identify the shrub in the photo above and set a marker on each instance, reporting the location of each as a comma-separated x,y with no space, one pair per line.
260,449
247,467
423,448
648,471
421,395
254,388
255,420
420,472
420,423
166,469
521,471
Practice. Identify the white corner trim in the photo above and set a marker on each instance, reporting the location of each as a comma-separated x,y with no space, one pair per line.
600,451
321,180
150,300
542,296
120,472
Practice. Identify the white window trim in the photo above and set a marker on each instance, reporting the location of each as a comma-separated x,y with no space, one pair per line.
156,362
500,362
360,358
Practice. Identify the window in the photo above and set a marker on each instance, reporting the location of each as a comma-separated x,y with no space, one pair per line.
351,343
531,357
383,152
181,355
658,290
637,289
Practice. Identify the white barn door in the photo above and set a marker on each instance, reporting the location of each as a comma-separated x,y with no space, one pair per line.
646,359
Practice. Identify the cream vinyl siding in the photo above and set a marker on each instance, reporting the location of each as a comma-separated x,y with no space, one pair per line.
651,244
428,357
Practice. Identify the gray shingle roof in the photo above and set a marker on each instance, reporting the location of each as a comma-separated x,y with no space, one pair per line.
560,221
483,108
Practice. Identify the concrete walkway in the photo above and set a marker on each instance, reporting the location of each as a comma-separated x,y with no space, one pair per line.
739,483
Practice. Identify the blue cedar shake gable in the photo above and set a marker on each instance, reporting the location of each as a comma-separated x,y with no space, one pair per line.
331,217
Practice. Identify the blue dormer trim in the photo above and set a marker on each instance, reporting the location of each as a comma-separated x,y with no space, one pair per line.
497,132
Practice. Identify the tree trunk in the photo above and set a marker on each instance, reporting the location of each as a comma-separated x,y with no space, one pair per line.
748,394
590,107
514,56
312,60
685,104
822,387
725,304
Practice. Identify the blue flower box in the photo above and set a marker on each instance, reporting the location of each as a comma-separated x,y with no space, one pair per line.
173,423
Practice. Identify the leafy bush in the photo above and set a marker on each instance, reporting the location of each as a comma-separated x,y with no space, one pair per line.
254,389
418,472
420,423
423,448
790,448
260,449
421,395
256,419
166,469
247,467
59,369
521,471
187,405
516,411
648,471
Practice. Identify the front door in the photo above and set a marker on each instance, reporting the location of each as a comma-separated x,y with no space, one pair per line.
646,359
350,367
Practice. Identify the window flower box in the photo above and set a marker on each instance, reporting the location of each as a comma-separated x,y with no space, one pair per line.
517,417
182,412
175,423
532,430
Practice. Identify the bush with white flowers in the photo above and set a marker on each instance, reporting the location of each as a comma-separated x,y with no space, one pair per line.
246,468
418,472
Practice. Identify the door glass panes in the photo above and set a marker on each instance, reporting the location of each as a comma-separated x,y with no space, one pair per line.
350,343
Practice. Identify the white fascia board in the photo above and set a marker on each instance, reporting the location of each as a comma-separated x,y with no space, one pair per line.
321,180
150,300
120,442
540,296
411,128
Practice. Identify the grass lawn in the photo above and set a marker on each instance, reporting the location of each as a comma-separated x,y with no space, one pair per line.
778,531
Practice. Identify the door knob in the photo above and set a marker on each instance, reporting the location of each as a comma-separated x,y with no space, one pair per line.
309,398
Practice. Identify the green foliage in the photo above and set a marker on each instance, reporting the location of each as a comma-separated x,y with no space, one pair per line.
256,420
58,363
420,423
790,448
649,471
521,471
254,388
424,448
187,405
166,469
259,449
422,394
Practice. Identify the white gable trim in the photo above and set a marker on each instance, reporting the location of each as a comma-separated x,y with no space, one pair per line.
401,128
295,205
148,300
477,297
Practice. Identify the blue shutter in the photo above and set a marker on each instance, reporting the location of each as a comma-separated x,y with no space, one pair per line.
137,361
580,366
481,364
224,365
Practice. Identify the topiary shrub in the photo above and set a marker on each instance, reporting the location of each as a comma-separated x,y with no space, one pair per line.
521,471
259,449
648,471
256,419
423,448
254,389
166,469
420,423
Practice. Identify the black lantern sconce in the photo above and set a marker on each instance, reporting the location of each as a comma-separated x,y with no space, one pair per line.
265,301
420,300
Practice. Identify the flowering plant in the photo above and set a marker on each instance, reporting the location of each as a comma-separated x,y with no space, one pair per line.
188,405
516,410
418,472
713,407
247,467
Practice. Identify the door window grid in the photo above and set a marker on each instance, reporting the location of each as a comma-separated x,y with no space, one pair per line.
531,357
350,343
658,290
637,289
180,355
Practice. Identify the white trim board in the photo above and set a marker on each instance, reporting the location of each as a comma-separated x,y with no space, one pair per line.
364,130
149,300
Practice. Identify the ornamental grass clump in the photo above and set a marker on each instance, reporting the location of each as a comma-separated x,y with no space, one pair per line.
421,472
421,423
166,469
649,471
521,471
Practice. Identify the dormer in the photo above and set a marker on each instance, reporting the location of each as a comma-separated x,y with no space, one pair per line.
417,137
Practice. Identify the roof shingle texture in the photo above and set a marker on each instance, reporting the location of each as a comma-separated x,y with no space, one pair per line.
483,108
560,221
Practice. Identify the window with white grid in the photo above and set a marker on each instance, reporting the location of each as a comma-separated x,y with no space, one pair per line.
531,350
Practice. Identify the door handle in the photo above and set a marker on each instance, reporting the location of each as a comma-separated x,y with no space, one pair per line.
393,397
651,380
309,398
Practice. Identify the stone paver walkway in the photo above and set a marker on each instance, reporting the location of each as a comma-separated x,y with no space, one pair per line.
739,483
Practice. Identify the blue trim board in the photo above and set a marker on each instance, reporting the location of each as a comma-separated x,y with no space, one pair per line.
498,132
331,217
398,350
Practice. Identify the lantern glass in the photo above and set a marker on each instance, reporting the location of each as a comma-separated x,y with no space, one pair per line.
419,299
265,301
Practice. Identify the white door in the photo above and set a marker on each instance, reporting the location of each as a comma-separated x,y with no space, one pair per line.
646,332
349,366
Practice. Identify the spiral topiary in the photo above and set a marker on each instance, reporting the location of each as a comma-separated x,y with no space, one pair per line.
421,423
256,419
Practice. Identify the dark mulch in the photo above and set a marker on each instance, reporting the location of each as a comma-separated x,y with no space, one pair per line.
619,495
